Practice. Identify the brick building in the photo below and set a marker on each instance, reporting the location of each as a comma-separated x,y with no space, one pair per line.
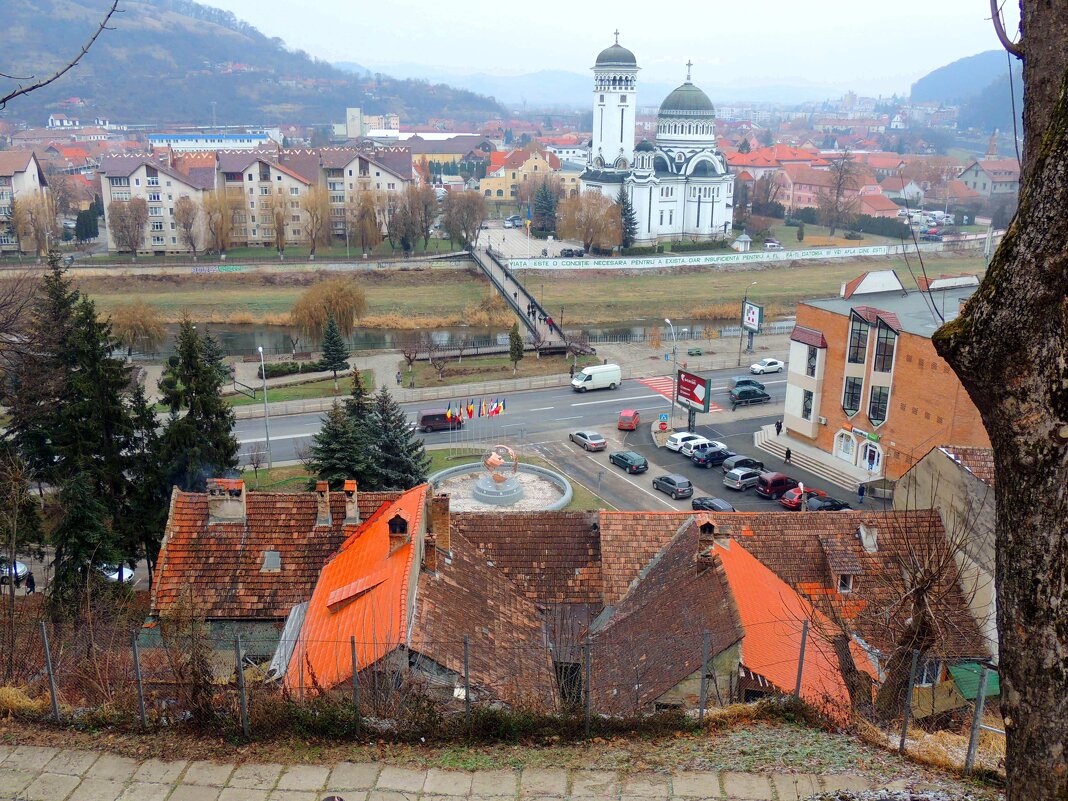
865,384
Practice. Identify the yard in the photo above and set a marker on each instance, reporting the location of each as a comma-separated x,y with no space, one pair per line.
321,388
491,368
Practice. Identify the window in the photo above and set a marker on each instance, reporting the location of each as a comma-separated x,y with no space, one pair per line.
884,350
265,190
157,225
295,218
119,181
602,98
294,190
845,583
153,197
810,363
622,98
930,674
137,181
851,395
174,227
155,211
252,204
806,405
158,240
337,198
174,240
880,399
152,181
858,340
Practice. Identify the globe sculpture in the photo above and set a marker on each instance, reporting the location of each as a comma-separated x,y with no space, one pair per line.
500,485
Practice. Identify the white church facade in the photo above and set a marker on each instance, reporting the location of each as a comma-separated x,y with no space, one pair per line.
679,184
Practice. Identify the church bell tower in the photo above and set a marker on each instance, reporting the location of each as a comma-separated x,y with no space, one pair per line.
615,86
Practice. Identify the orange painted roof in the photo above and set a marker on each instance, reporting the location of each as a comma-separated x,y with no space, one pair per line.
772,615
363,592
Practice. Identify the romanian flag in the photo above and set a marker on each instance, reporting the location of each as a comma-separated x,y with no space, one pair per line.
470,409
482,408
448,412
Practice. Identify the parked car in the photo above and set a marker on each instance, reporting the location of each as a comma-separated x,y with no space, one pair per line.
741,479
674,485
687,447
629,420
711,505
694,352
567,253
740,460
710,457
930,237
515,220
771,244
20,572
828,505
774,485
508,224
117,574
791,499
766,366
676,441
630,461
579,253
747,396
740,381
588,440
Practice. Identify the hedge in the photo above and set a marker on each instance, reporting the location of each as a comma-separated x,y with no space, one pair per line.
690,247
279,369
883,226
642,251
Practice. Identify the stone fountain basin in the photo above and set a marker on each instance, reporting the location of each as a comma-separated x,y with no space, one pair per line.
529,475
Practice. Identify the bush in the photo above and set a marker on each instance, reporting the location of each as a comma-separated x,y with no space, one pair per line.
698,247
642,251
279,369
772,209
853,235
883,226
534,232
809,216
596,251
792,222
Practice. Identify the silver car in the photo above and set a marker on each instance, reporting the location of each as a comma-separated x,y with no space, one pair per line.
20,572
741,479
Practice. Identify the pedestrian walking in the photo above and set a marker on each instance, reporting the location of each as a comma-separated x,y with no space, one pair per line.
31,583
515,297
571,370
399,377
860,493
778,428
789,455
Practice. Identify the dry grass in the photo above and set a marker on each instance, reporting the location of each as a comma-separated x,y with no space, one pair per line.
944,749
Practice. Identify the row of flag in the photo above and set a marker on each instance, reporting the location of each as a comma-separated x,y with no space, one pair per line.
481,408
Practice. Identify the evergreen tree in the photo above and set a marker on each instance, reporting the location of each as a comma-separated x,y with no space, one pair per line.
142,525
83,541
86,225
744,146
628,220
358,405
544,211
335,349
515,347
200,444
216,357
399,456
801,232
340,451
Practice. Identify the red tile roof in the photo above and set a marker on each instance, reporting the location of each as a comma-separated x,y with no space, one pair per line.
978,461
851,287
808,336
872,315
877,203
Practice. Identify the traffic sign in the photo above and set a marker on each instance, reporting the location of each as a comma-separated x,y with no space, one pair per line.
664,417
663,426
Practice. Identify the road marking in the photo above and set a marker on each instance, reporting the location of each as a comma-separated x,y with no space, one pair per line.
638,486
576,417
665,385
614,400
542,409
279,438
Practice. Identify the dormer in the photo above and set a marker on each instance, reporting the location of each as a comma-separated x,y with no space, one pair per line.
398,532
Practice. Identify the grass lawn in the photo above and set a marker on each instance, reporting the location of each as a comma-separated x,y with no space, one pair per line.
295,253
491,368
291,478
323,388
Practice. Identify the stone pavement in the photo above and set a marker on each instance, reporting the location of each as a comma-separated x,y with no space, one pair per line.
33,773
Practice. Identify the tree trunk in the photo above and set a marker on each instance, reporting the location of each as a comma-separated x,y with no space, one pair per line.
1010,349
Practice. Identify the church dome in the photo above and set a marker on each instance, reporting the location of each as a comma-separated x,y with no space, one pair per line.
645,146
616,56
687,101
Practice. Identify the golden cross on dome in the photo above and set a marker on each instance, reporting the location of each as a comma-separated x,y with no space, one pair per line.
688,65
617,35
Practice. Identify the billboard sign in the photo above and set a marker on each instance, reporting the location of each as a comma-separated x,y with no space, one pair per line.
752,316
692,391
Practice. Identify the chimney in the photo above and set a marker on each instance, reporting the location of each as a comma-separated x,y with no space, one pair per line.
430,553
398,533
707,539
352,508
226,500
869,537
440,522
322,504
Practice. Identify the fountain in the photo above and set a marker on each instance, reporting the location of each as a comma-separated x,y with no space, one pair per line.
499,481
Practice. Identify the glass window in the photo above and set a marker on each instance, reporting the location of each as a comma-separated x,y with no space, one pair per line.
845,583
851,395
806,405
810,364
858,340
884,350
880,399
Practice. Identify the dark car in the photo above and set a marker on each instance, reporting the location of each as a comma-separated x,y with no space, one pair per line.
774,485
742,381
567,253
791,499
674,485
439,420
740,460
579,253
630,461
827,505
930,237
747,396
706,504
710,457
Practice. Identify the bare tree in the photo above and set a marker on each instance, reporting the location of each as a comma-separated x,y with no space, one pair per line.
219,207
187,218
422,204
463,216
363,221
463,342
438,355
254,458
127,220
61,188
591,218
17,521
838,201
341,298
410,345
36,84
315,204
276,206
18,291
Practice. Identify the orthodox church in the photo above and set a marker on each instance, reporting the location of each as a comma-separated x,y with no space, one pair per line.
679,184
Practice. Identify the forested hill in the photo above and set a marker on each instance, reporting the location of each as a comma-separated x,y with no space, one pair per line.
168,60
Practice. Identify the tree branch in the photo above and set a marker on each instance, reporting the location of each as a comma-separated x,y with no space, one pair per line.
25,90
999,28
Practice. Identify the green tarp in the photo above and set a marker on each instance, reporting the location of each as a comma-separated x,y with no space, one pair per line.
966,677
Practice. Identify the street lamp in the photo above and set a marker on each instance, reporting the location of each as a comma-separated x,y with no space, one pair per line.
266,411
675,367
741,323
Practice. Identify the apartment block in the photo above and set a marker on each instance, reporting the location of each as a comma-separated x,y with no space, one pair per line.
21,178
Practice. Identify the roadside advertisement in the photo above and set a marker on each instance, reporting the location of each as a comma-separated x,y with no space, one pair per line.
752,316
692,391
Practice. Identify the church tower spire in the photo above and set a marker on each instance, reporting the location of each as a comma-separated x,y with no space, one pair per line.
615,86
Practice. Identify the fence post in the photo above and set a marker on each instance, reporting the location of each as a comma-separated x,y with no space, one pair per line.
706,643
467,681
908,702
801,660
355,682
137,676
241,685
51,673
587,671
977,722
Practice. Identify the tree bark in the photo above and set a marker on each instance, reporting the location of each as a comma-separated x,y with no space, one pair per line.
1010,349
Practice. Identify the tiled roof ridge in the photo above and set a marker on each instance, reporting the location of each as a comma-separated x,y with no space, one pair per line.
161,559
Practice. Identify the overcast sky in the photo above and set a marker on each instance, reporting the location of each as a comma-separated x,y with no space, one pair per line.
874,47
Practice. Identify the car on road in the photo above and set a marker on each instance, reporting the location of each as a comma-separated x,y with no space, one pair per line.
515,220
774,485
508,224
710,457
117,574
629,420
439,420
630,461
748,396
676,441
567,253
766,366
20,572
741,460
828,504
742,478
741,381
690,445
931,237
705,504
597,376
674,485
588,440
791,499
772,244
694,352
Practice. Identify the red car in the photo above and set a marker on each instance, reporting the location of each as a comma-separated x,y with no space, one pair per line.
629,420
791,499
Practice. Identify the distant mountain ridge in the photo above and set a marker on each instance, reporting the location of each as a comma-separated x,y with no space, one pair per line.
172,60
960,80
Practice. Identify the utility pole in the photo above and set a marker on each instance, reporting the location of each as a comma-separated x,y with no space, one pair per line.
266,410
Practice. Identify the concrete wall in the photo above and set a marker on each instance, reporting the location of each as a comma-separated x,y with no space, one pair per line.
688,691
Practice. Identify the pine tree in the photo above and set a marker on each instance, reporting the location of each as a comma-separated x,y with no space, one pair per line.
216,357
399,456
142,525
744,146
83,541
340,451
628,220
544,211
358,405
200,444
515,347
335,349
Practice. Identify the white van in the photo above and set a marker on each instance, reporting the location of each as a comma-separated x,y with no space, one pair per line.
598,376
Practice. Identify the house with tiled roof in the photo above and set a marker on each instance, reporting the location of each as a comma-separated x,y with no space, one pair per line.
22,179
902,188
992,177
803,186
508,176
877,205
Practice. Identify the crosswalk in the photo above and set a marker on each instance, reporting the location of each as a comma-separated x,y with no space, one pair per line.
665,385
